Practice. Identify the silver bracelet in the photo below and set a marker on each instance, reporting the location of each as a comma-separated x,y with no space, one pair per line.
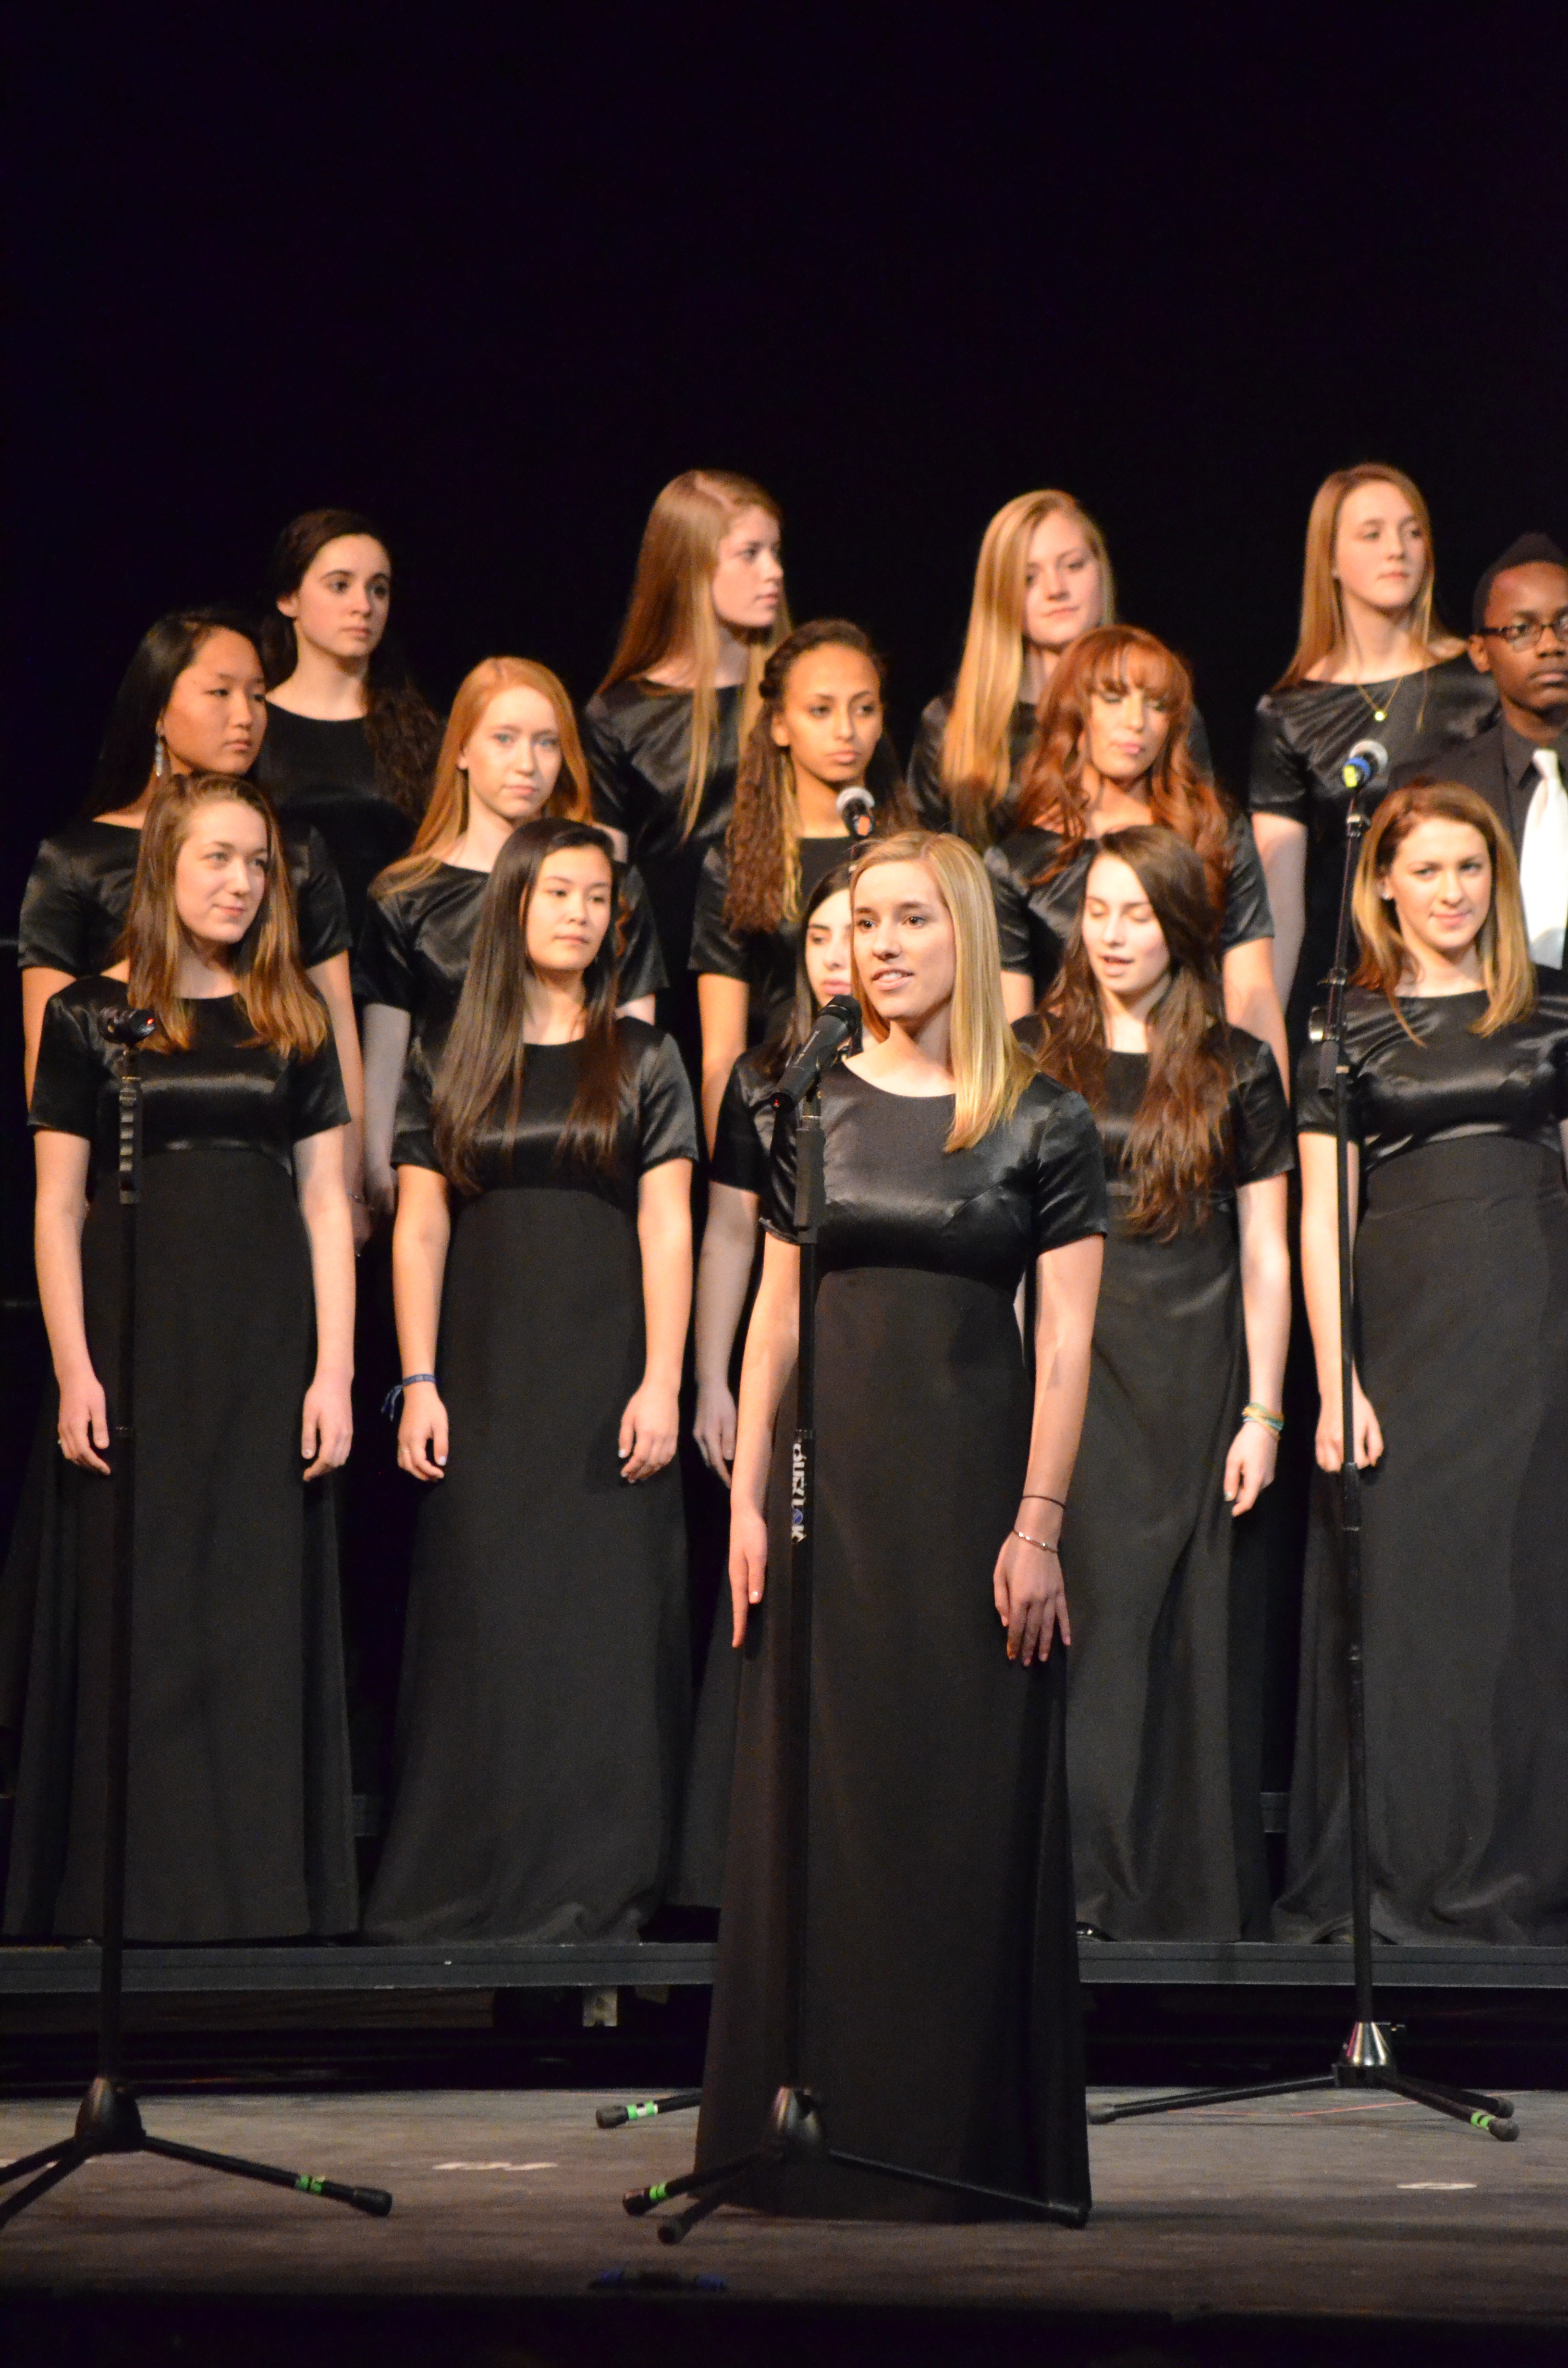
1040,1542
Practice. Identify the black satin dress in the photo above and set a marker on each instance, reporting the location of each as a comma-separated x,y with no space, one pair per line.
637,739
239,1816
325,774
1035,917
78,893
546,1693
942,2012
764,961
1301,737
929,796
1152,1759
1462,1272
417,936
742,1152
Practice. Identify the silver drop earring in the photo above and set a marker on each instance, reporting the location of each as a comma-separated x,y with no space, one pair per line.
160,756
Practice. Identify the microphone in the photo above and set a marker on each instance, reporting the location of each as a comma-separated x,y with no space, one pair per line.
857,808
130,1027
838,1031
1365,766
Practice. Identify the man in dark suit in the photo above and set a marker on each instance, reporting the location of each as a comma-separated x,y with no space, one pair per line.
1520,765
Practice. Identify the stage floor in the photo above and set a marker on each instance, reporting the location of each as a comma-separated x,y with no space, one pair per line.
1368,2207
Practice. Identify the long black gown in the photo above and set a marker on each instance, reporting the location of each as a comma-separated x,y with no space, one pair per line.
324,773
240,1819
1035,917
417,935
763,960
546,1694
941,1986
1462,1272
929,796
1300,738
1146,1544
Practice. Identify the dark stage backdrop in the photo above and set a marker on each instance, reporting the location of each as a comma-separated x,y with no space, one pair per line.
496,274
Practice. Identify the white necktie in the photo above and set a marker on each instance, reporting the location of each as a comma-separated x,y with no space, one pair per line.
1543,862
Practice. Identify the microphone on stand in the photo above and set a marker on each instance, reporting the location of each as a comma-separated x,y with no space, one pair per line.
858,809
1365,768
838,1031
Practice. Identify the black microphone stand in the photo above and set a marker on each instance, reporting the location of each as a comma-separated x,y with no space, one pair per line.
109,2121
795,2135
1367,2059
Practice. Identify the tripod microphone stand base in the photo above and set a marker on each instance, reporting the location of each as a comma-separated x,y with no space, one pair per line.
1366,2062
795,2139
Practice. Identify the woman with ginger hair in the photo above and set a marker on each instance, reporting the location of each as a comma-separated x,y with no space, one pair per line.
510,753
940,1989
240,1822
1458,1130
1111,751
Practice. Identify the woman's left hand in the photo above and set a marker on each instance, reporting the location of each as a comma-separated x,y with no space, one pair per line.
1031,1599
1249,1467
326,1434
649,1430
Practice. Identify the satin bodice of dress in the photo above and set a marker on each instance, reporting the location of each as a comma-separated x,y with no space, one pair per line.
417,936
763,960
926,787
78,893
743,1145
658,1121
227,1093
325,773
1035,913
637,739
1441,1083
896,1197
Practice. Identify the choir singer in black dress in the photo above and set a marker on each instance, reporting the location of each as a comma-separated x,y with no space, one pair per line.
942,2021
240,1822
1459,1117
542,1260
1179,1438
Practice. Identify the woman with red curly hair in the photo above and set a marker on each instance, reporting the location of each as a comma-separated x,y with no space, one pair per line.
1111,752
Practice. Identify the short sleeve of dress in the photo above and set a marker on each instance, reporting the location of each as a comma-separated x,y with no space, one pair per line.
739,1159
413,1144
71,1071
1247,914
1068,1188
1265,1141
926,769
53,932
319,901
642,968
1012,905
666,1116
1314,1101
1280,780
779,1201
317,1099
384,969
714,945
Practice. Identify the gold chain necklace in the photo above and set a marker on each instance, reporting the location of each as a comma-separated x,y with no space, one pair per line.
1380,714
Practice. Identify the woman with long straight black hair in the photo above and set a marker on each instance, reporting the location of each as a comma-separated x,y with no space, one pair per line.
542,1265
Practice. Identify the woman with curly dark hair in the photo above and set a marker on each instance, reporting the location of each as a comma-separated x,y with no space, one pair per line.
817,735
1196,1133
1112,752
351,740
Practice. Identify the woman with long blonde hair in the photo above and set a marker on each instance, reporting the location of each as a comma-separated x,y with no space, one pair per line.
1373,660
1458,1130
1043,578
240,1814
941,2002
510,752
664,730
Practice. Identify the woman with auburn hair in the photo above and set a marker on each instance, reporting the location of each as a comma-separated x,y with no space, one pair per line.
942,2005
1043,578
240,1819
510,753
664,730
1112,751
1373,661
352,737
818,734
1459,1127
1196,1132
542,1262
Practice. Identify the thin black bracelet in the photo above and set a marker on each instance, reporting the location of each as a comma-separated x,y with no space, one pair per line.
394,1398
1034,1496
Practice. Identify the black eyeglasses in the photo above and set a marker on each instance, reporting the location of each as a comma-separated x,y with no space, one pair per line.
1525,633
